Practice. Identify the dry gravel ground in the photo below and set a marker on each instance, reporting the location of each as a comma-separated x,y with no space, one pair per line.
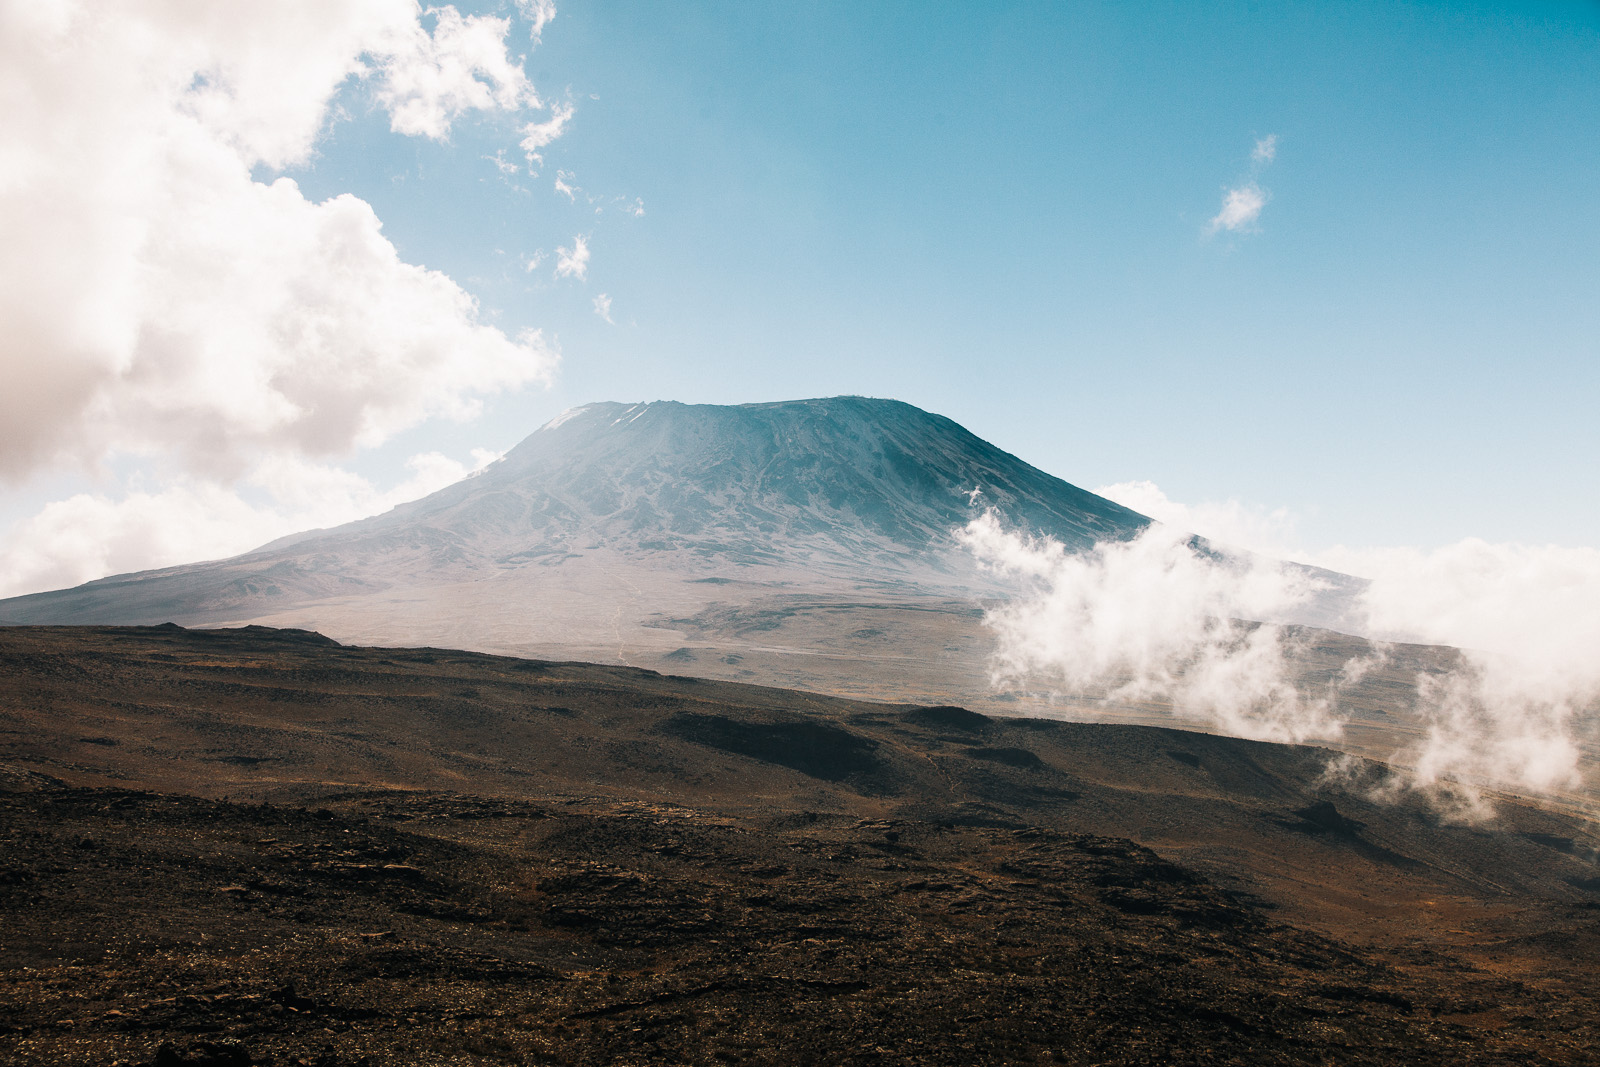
254,847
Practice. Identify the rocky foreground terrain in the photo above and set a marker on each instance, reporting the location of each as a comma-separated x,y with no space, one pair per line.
258,847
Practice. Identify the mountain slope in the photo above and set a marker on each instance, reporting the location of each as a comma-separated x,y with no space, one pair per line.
848,488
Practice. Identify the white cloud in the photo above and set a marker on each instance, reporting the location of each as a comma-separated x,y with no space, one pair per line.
1150,620
429,80
157,299
90,535
573,262
539,14
538,135
1232,522
1529,618
602,307
1242,204
161,303
1241,207
1116,620
563,187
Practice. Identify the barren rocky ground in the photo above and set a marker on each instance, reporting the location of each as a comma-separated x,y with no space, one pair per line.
236,847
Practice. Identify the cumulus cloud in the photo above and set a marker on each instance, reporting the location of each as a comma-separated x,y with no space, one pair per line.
1153,619
431,79
573,262
1241,207
159,299
1150,619
1266,150
163,299
602,307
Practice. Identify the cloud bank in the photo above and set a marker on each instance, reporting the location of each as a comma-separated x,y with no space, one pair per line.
1152,620
1529,619
166,297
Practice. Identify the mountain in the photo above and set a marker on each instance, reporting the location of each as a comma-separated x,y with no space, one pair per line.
806,544
846,482
845,490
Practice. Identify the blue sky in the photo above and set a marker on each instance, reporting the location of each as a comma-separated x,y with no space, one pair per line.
1000,212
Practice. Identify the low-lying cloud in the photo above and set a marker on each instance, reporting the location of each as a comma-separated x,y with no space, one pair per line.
1528,620
89,535
1162,620
1270,531
1152,620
